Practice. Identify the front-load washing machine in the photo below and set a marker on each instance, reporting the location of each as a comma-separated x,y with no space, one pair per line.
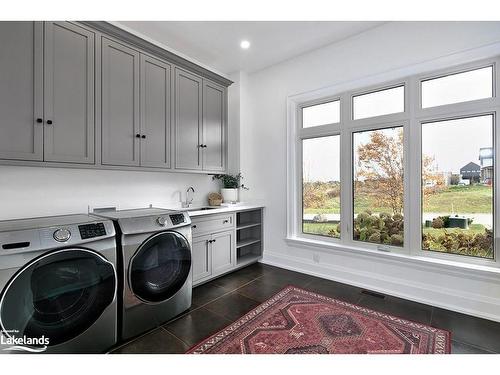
155,249
58,284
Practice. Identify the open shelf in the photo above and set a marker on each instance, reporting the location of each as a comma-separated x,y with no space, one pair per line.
248,236
247,259
249,225
247,242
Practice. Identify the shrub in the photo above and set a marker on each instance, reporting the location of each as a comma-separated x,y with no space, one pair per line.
438,223
383,228
460,242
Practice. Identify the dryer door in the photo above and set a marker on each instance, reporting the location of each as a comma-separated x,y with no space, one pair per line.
160,267
58,295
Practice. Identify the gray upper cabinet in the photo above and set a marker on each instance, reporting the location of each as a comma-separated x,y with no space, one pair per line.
156,112
214,127
21,90
120,104
90,95
68,93
188,120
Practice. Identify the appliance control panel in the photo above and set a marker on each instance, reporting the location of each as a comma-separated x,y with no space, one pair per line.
177,219
92,230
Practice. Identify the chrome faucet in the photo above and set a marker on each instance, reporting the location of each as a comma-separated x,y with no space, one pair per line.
188,201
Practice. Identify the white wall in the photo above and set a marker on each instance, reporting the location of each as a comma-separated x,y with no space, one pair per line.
36,191
393,49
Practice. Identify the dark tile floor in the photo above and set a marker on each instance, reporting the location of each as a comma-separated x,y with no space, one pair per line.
224,300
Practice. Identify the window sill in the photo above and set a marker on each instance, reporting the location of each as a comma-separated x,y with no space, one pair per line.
452,267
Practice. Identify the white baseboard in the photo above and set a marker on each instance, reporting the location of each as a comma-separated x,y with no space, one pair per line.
418,291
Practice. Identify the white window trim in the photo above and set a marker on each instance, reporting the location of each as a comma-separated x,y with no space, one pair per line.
411,120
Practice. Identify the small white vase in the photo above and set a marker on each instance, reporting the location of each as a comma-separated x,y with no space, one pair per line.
229,195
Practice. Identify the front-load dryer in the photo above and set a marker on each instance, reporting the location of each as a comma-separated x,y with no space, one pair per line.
58,285
155,249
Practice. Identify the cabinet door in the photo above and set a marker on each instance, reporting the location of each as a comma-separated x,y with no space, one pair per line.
222,252
69,93
120,104
155,112
188,120
21,90
202,263
214,127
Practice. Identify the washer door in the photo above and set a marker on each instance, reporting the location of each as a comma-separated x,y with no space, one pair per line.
160,267
58,295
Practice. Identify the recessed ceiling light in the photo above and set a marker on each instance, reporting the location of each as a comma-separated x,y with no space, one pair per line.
245,44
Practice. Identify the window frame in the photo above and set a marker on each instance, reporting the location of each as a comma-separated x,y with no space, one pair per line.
411,119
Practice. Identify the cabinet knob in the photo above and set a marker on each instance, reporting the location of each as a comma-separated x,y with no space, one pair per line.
143,136
39,120
138,136
193,226
225,221
49,122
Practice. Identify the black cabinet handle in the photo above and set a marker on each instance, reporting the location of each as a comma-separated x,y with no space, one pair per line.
39,120
225,221
138,136
213,240
49,122
194,226
143,136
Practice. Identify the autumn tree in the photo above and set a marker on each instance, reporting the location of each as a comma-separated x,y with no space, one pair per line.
381,169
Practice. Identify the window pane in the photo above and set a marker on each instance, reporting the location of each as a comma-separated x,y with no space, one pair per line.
321,114
456,88
379,186
457,186
321,186
379,103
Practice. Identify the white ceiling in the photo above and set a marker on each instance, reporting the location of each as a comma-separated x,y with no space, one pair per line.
215,44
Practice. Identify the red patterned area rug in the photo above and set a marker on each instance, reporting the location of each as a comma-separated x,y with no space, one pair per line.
296,321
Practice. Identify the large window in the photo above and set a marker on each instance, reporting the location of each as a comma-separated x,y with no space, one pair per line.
406,166
379,103
457,88
378,186
457,186
321,186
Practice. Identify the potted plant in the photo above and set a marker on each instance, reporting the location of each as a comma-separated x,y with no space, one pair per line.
231,184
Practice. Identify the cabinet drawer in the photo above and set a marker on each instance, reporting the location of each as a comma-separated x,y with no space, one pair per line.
211,224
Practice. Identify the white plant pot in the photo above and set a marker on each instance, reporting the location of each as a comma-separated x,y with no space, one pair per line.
229,195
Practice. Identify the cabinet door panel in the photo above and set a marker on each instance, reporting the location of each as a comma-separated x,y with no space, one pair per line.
222,252
69,93
202,263
120,104
214,127
188,120
155,112
21,85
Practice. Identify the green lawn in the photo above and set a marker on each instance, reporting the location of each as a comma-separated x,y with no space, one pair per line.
463,199
318,228
473,229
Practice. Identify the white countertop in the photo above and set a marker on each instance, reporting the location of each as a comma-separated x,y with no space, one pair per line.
194,212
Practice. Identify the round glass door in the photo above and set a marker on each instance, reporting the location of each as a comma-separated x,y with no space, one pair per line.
58,296
160,267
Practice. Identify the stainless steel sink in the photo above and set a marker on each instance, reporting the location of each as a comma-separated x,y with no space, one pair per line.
205,208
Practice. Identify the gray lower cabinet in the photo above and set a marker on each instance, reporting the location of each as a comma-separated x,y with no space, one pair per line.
156,112
223,252
188,120
68,93
120,104
214,127
201,258
213,255
21,91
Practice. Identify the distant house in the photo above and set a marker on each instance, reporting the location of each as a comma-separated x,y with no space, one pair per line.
471,172
486,160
